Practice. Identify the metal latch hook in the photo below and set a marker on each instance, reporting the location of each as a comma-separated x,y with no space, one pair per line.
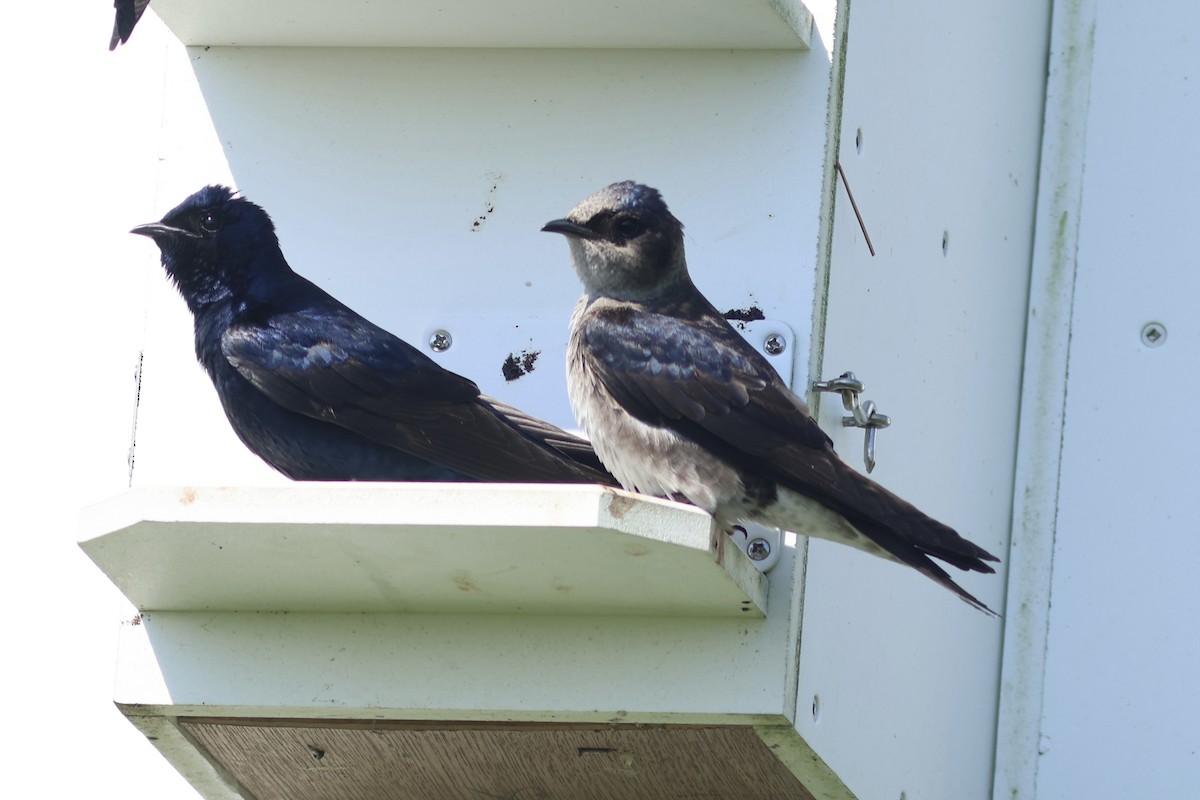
862,415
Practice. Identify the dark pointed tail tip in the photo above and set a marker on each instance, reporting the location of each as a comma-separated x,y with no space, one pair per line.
984,568
978,558
988,611
939,575
972,600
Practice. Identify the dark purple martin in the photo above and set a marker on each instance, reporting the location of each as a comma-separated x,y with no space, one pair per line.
678,404
128,14
320,393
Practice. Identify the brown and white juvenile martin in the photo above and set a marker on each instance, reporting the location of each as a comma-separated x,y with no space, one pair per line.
678,404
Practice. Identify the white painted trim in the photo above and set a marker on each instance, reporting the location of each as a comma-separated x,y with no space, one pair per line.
420,547
209,779
719,24
816,350
1043,397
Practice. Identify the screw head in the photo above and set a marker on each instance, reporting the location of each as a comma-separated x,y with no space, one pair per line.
1154,334
774,344
758,549
440,341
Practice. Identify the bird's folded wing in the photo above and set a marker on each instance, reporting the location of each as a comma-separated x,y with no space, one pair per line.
700,377
360,377
317,369
575,447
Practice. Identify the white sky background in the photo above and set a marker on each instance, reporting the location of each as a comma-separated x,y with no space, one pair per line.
80,138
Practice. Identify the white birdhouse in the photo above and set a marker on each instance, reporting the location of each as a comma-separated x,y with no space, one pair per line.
307,640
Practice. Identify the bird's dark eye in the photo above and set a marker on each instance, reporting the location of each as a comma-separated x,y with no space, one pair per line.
629,227
210,221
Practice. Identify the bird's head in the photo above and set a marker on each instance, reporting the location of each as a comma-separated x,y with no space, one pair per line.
215,244
625,243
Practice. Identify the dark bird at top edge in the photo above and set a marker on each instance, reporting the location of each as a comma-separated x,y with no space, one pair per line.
320,393
678,405
127,16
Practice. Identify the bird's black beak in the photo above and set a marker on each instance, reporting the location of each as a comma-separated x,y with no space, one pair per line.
568,228
159,231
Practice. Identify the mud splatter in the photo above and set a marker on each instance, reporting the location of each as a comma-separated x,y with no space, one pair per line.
744,314
517,364
740,316
489,205
488,210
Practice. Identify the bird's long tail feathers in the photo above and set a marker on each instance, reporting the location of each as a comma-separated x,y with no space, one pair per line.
471,438
920,562
912,536
574,447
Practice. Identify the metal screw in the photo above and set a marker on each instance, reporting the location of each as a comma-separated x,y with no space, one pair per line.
1154,334
775,344
758,549
440,341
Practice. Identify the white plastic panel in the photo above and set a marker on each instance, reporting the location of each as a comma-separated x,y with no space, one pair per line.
652,669
940,140
420,548
756,24
1122,655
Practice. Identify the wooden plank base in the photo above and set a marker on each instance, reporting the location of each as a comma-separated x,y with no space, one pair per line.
359,760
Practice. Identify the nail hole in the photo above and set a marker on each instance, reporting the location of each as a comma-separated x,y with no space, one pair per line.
945,243
858,141
596,751
816,707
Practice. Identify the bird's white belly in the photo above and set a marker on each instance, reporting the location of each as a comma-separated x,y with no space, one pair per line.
802,514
